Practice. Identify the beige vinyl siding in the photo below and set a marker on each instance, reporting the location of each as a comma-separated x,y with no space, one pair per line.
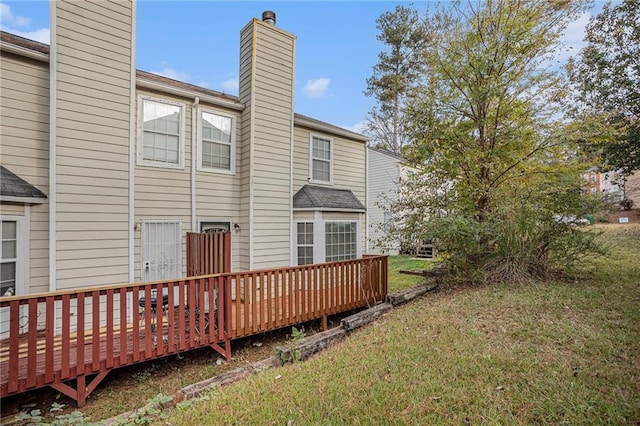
273,100
348,165
268,93
24,132
163,193
93,78
244,143
12,209
304,216
384,172
218,197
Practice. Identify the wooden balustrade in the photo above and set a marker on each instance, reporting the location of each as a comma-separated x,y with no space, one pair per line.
59,336
56,337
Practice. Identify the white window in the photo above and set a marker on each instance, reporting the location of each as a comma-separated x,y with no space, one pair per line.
9,259
341,241
304,242
387,221
161,133
321,159
213,227
216,148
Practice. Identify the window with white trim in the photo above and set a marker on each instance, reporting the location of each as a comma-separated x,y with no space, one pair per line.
9,258
304,242
387,221
214,227
341,241
161,127
217,142
321,156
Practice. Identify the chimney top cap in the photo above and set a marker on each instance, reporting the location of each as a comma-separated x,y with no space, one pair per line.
269,17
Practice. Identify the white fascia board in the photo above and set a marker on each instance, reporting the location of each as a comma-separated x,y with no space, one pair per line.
25,200
323,209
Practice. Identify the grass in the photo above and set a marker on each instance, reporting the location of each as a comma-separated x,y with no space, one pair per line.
398,281
130,387
554,353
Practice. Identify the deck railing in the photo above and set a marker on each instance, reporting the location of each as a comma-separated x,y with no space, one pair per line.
59,336
71,334
275,298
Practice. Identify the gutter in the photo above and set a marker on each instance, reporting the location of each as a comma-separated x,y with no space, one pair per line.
165,88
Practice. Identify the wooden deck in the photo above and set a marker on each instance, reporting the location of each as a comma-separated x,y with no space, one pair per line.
86,333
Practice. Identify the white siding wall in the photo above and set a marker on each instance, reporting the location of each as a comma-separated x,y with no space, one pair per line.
93,78
24,132
384,173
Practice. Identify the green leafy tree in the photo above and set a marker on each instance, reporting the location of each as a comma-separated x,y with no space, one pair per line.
499,183
606,75
396,72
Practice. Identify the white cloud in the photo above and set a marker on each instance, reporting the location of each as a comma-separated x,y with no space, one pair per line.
316,88
173,73
230,85
15,24
358,127
42,35
573,38
9,19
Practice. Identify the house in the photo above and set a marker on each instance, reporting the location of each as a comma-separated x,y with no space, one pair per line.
605,184
385,174
609,184
105,167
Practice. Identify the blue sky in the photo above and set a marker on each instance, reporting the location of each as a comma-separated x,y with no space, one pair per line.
198,42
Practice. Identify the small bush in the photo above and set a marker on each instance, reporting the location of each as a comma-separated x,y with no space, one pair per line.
626,204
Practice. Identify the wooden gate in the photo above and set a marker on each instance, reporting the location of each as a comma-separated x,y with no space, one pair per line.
208,253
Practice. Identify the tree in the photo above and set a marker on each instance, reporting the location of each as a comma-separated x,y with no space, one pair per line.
606,75
500,169
393,76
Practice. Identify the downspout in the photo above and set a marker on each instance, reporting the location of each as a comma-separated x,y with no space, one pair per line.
194,159
53,66
132,146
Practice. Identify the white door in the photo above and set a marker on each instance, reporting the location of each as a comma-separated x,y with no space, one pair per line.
161,250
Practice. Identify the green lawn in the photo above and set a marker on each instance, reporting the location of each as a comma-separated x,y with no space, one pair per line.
398,281
555,353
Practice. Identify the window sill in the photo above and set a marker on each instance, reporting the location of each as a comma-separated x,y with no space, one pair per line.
159,165
216,171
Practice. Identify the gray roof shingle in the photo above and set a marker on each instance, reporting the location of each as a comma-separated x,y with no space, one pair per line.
319,198
13,186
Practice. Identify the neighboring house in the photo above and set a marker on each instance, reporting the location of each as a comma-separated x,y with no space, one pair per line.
603,183
385,173
609,185
632,189
105,168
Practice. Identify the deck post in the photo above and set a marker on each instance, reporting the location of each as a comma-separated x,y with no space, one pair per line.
324,323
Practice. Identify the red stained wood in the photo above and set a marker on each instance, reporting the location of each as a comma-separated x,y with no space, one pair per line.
263,300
